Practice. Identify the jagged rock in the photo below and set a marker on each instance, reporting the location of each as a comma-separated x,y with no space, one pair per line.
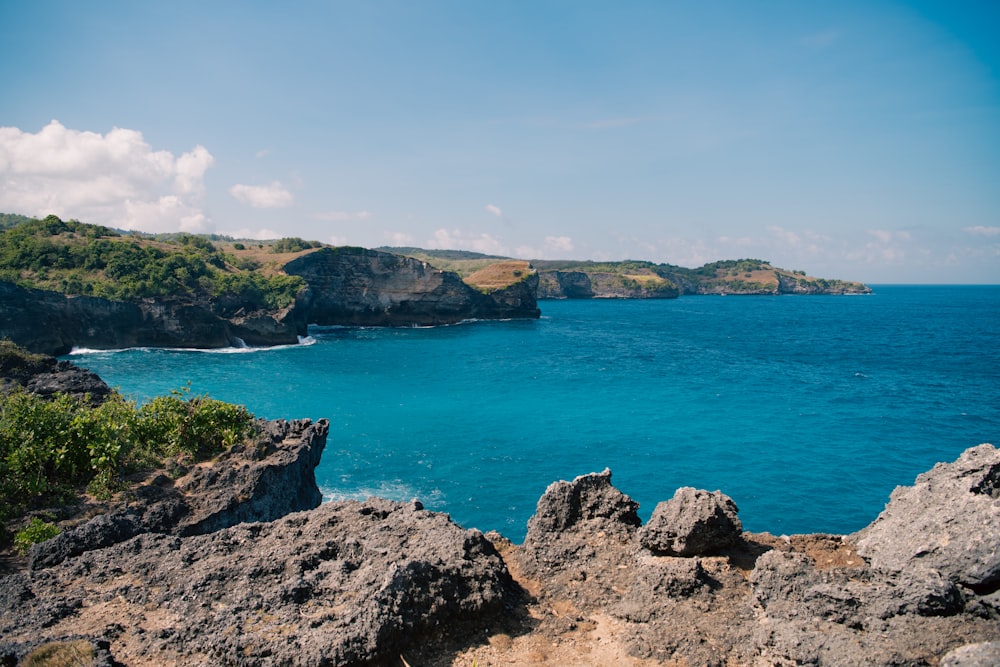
263,482
589,501
692,523
46,376
948,520
347,583
984,654
360,287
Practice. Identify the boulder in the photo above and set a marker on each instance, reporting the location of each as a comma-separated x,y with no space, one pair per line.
692,523
949,520
589,502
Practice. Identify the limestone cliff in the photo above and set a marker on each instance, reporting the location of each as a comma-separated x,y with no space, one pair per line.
360,287
604,285
54,323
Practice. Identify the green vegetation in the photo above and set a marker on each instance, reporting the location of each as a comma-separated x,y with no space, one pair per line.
293,244
36,531
76,258
11,219
50,449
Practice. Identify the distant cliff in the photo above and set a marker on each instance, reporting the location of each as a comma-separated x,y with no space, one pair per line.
360,287
637,279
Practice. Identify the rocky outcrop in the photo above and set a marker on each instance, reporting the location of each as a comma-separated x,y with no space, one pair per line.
949,521
692,523
260,482
44,375
353,583
348,583
920,591
360,287
53,323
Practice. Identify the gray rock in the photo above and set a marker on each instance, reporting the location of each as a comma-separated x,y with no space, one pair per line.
590,500
347,583
357,286
984,654
692,523
949,520
263,482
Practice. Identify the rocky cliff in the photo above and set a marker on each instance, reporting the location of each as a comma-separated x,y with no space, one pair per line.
351,583
360,287
54,323
604,285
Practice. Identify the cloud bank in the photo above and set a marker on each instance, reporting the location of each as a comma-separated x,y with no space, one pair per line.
115,179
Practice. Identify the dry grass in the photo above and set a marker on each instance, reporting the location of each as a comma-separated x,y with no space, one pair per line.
61,654
500,275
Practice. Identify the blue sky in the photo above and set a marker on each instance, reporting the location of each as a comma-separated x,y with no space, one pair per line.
856,140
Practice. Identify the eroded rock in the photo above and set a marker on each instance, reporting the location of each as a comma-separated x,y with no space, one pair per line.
262,482
347,583
692,523
949,520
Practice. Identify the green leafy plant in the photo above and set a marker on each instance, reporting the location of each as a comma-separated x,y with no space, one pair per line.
36,531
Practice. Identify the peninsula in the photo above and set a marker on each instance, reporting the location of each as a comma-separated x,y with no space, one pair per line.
66,284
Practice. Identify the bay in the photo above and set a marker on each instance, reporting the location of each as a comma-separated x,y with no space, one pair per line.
807,411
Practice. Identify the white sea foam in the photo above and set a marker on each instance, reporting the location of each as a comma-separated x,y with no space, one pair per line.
240,348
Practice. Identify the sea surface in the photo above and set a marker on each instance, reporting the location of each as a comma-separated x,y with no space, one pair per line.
806,410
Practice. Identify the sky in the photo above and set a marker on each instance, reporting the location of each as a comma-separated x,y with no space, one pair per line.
852,140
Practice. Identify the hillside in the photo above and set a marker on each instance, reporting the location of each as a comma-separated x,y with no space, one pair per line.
643,279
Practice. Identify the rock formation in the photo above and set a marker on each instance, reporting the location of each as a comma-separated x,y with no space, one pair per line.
260,482
44,375
602,285
224,581
360,287
53,323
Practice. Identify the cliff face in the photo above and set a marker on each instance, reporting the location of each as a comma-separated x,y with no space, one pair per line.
603,285
54,323
360,287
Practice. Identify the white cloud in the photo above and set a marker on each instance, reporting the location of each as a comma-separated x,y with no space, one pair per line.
456,239
274,195
114,179
980,230
399,239
343,216
257,234
495,210
558,244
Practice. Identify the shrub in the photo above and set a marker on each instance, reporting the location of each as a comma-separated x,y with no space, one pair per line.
36,531
50,448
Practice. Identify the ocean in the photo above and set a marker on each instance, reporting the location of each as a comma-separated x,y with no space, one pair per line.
806,410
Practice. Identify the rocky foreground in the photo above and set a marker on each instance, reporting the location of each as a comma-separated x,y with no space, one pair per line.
236,562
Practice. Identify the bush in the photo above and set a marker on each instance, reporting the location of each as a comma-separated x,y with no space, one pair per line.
51,449
36,531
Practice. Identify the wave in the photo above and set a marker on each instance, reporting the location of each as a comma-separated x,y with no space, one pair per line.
304,341
391,490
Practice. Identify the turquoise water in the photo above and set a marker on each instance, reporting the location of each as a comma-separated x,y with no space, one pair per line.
808,411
